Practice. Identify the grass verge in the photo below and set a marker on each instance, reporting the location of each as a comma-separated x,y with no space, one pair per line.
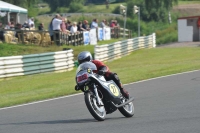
139,65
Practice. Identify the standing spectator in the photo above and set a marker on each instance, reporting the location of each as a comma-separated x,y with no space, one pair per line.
63,26
112,25
86,26
57,21
41,27
69,25
103,25
50,29
80,26
74,28
31,23
94,24
1,31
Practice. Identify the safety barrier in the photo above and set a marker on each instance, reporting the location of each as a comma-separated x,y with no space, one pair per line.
121,48
36,63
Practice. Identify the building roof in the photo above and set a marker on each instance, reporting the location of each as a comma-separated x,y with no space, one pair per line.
4,6
189,17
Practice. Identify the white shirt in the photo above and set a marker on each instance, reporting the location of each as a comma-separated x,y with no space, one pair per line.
73,29
56,24
94,25
31,23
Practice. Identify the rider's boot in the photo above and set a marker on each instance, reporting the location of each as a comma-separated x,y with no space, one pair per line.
124,92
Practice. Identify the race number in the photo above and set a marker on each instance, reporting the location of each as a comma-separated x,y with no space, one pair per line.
114,89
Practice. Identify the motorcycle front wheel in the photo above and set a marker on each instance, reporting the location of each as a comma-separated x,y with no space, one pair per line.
98,112
127,110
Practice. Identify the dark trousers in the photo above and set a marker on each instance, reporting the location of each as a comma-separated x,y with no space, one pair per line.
114,77
57,37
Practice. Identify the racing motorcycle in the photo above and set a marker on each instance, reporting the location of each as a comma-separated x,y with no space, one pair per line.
101,97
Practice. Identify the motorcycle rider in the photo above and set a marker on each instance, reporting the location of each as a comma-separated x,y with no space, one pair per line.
102,69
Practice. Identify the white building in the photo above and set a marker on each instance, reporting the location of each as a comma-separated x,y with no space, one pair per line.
12,13
188,30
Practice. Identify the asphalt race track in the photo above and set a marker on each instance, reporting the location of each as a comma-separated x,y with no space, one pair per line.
164,105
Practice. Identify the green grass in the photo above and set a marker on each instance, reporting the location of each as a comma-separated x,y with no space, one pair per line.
139,65
188,2
21,49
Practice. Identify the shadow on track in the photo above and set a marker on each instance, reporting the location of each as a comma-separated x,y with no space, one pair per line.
71,121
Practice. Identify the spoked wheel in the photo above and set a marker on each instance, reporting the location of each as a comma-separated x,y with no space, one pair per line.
98,112
127,110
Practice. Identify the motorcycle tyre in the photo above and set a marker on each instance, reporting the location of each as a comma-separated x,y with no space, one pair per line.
90,107
125,112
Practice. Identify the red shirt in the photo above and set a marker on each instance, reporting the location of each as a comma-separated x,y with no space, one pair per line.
99,64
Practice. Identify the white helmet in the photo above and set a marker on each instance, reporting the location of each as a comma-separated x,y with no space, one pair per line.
84,56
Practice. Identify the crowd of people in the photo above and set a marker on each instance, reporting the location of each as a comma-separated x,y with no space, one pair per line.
58,24
61,24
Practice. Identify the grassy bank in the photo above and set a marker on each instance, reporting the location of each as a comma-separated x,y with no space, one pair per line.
139,65
21,49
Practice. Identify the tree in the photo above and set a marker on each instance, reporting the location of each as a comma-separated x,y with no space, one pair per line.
62,3
156,10
22,3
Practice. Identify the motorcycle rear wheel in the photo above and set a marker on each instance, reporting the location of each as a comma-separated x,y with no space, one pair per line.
98,112
127,110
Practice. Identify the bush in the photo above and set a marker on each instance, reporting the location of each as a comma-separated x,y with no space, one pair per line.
62,10
75,7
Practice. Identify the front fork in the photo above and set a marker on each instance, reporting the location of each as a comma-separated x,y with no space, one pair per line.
99,101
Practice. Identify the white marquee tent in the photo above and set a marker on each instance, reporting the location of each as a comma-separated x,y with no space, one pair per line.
13,12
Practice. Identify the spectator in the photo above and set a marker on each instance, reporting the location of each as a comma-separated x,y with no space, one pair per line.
25,25
117,24
63,26
74,28
41,27
1,31
80,26
57,21
12,26
69,25
50,29
94,24
112,25
8,26
18,31
86,26
103,25
31,23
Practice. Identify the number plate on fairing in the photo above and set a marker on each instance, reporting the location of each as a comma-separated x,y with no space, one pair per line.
114,89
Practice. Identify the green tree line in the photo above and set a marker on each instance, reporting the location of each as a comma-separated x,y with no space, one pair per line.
156,10
22,3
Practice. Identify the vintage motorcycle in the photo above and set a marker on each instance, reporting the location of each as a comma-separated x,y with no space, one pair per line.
101,97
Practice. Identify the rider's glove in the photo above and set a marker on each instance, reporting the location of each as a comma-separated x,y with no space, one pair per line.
76,88
101,72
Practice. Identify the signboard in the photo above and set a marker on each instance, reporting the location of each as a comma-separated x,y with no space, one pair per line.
93,36
106,33
100,34
86,38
